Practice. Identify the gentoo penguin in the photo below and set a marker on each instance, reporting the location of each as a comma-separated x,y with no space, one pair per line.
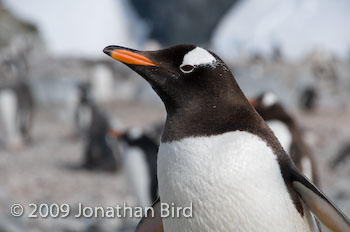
288,133
16,75
10,135
138,140
218,155
99,153
83,111
308,99
26,108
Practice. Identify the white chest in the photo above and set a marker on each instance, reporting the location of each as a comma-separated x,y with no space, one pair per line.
233,181
9,131
282,133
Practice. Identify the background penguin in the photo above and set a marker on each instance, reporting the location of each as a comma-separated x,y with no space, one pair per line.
211,128
26,103
100,151
288,133
83,111
15,80
10,136
26,109
308,99
140,163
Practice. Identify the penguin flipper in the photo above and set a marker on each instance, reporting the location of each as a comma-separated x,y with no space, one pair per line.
149,223
319,204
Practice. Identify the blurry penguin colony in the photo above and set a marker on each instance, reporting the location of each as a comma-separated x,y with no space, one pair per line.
109,146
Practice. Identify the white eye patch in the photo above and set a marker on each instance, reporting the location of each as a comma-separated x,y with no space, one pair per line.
135,132
269,99
198,57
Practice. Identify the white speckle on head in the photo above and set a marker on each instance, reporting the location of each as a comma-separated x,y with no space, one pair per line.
135,132
198,57
269,99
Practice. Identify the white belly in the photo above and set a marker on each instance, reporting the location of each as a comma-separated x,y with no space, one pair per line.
8,114
233,181
137,175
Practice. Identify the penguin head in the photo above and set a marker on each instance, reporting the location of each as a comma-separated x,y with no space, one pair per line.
269,107
182,75
266,100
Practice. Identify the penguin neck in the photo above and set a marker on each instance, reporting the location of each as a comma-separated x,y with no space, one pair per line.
284,117
210,117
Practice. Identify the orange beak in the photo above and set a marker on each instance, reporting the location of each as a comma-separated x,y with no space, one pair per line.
114,133
128,56
252,102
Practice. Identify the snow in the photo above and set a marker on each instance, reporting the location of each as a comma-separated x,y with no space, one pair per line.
80,27
295,26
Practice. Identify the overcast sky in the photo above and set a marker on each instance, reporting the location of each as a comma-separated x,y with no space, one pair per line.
85,27
77,27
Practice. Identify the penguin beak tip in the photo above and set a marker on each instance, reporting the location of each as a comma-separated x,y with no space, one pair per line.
128,56
107,50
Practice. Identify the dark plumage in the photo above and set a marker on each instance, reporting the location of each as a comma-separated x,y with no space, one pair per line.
99,154
308,99
93,126
26,108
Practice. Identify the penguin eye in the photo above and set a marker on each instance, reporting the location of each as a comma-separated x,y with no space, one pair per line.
186,68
